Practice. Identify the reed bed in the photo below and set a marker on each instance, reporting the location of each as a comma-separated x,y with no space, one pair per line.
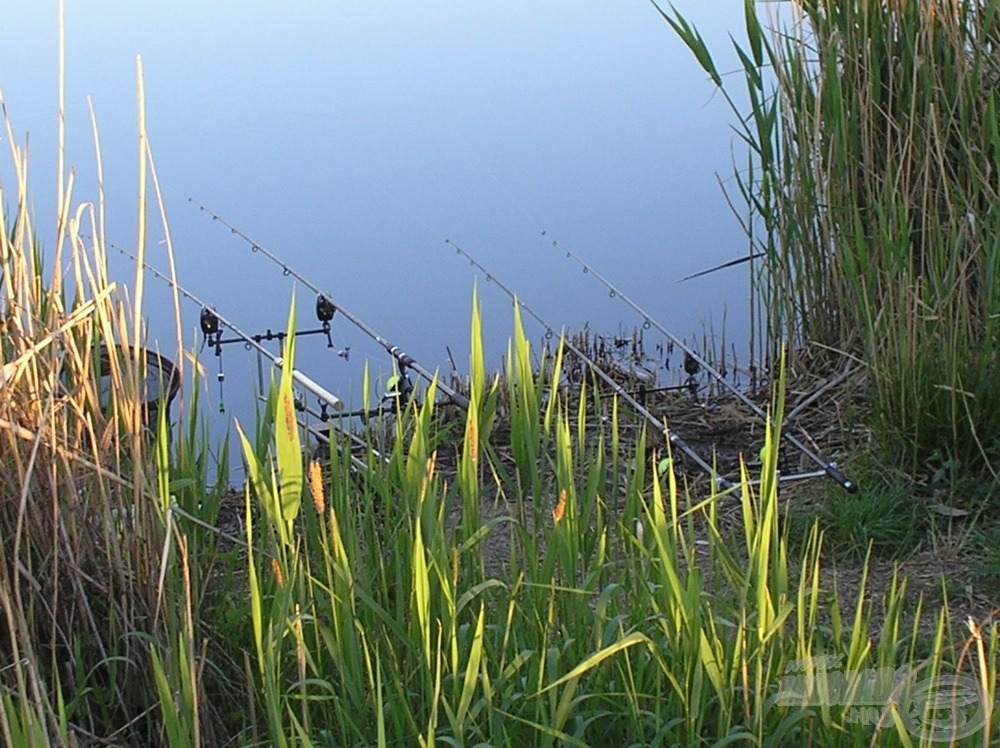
871,191
86,478
366,606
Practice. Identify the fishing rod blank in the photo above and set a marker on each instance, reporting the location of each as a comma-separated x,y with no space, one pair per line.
674,440
404,360
828,468
321,393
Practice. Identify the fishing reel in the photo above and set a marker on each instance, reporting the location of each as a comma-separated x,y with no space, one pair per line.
398,389
211,329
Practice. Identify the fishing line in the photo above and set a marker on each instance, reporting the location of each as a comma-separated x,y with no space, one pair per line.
403,360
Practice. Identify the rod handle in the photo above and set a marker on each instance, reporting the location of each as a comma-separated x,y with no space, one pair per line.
846,483
321,392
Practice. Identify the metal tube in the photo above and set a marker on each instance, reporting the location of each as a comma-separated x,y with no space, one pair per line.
404,359
307,383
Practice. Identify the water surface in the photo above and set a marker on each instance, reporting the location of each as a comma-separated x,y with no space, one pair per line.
353,139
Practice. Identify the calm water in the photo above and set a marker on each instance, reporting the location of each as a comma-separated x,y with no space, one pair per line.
354,139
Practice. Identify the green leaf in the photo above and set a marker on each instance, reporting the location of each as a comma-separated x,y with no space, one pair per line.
472,669
636,637
422,592
256,472
754,34
176,735
690,36
287,442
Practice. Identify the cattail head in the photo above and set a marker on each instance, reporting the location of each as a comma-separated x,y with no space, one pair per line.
316,486
560,511
473,440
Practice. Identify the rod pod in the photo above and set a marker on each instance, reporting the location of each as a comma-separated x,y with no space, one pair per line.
319,392
404,360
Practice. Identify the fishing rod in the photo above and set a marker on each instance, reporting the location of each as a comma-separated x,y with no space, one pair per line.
212,319
828,468
723,482
403,360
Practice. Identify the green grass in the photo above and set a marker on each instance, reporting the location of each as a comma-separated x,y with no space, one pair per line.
886,521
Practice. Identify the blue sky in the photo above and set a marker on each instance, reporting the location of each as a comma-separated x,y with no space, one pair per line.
354,138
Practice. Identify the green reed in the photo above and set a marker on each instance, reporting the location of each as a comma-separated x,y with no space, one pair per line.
871,188
97,582
392,620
